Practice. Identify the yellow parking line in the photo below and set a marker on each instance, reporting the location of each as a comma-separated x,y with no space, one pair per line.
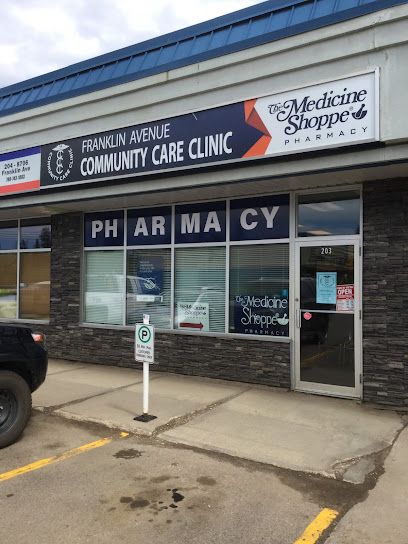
313,532
57,458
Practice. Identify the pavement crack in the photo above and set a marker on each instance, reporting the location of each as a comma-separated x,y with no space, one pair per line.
182,420
51,409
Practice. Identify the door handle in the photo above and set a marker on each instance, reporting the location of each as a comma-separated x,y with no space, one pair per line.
298,319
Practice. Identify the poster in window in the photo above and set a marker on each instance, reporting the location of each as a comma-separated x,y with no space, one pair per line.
345,298
264,315
147,285
193,316
326,284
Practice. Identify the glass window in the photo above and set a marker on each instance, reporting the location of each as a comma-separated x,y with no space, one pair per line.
259,290
103,287
8,235
35,234
8,285
148,286
200,289
35,285
322,269
329,214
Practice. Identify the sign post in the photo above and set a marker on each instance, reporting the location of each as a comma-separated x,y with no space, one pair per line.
144,353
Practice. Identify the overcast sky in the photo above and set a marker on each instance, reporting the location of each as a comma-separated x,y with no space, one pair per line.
38,36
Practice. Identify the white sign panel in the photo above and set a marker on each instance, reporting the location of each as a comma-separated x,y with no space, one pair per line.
193,316
338,113
20,171
144,343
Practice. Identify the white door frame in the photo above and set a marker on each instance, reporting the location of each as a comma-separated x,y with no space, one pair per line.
319,388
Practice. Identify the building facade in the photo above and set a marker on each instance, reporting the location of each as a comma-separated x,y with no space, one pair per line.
242,182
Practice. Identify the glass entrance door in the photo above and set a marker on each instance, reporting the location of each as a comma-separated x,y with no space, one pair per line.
327,318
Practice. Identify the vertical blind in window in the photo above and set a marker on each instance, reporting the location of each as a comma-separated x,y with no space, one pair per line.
148,286
104,289
200,289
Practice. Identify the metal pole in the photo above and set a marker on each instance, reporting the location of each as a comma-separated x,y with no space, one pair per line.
145,388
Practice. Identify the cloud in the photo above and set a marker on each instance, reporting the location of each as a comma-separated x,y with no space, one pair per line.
39,36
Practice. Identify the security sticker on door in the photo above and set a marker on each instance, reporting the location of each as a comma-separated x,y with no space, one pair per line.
144,343
345,298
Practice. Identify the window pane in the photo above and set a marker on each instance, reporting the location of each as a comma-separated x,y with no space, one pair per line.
148,286
35,234
35,285
329,214
8,285
103,287
200,289
259,290
8,235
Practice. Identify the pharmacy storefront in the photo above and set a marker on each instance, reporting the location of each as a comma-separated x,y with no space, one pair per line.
279,270
255,211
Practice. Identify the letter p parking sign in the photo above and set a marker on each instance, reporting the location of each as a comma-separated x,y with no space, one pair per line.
144,343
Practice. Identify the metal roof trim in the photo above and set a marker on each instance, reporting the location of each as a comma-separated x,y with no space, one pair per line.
184,34
151,44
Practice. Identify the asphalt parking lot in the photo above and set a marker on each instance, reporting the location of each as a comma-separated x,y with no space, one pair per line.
70,482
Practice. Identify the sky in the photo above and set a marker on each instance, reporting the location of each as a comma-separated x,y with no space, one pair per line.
39,36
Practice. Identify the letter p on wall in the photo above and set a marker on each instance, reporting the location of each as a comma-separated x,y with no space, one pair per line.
97,227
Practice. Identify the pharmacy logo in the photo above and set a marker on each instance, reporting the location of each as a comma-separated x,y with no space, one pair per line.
60,161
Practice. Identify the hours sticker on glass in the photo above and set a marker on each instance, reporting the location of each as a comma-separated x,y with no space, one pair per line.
345,298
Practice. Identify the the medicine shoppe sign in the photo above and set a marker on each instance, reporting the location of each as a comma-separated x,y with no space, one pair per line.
338,113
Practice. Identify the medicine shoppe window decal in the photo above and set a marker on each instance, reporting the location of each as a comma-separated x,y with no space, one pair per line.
179,255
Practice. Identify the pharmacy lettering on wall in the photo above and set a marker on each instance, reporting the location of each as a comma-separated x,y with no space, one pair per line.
258,218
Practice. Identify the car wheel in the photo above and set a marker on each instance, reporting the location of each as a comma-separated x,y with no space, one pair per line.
15,407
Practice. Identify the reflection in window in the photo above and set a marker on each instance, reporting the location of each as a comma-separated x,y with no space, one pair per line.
329,214
8,235
8,285
148,286
259,290
35,234
104,287
35,285
200,289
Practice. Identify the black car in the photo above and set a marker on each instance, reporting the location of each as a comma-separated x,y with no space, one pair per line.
23,367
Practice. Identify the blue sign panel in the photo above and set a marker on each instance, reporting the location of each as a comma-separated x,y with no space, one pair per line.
219,134
326,287
149,226
203,222
260,218
150,275
103,229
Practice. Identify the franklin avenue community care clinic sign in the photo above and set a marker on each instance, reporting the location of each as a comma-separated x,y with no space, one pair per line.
338,113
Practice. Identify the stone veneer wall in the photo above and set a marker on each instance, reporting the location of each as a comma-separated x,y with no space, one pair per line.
242,360
385,292
385,313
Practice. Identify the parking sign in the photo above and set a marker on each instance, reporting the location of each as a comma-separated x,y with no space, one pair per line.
144,343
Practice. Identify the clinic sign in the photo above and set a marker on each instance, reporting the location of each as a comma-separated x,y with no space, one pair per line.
259,218
331,114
